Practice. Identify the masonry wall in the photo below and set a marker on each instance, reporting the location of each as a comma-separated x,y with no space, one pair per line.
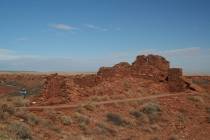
176,84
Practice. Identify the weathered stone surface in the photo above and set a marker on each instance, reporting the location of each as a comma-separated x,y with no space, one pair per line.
119,70
176,84
153,66
111,80
55,86
175,74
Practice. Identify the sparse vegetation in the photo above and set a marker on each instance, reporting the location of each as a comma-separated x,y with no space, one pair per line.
102,128
4,136
5,112
82,120
196,99
20,101
89,106
32,119
20,130
152,110
208,111
116,119
50,125
8,109
65,120
173,137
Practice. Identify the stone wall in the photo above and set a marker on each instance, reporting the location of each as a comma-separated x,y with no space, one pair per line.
176,84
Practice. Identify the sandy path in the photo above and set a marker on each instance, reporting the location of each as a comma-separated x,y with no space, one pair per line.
66,106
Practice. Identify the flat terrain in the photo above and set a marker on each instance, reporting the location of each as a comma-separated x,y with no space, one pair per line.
148,117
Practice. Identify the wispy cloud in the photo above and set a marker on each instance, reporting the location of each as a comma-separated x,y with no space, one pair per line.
173,52
94,27
22,39
63,27
192,59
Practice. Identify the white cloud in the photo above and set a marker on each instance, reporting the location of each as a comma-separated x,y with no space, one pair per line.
63,27
6,54
94,27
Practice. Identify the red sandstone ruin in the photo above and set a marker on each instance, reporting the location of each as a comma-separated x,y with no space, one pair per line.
151,67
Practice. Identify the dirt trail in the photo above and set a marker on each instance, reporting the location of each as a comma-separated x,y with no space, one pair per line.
66,106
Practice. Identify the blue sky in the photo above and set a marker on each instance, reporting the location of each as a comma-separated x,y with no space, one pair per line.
82,35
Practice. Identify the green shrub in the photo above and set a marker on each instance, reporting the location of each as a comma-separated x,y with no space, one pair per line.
102,128
82,119
196,99
50,125
4,136
137,114
20,102
32,119
89,106
20,130
152,110
116,119
65,120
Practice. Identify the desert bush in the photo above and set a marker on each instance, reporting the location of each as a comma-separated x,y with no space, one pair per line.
173,137
4,136
149,113
32,119
116,119
20,130
66,120
196,99
137,114
152,110
75,137
208,119
208,109
6,111
82,118
182,117
83,121
7,108
20,113
89,106
49,125
4,115
52,114
102,128
20,102
155,138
